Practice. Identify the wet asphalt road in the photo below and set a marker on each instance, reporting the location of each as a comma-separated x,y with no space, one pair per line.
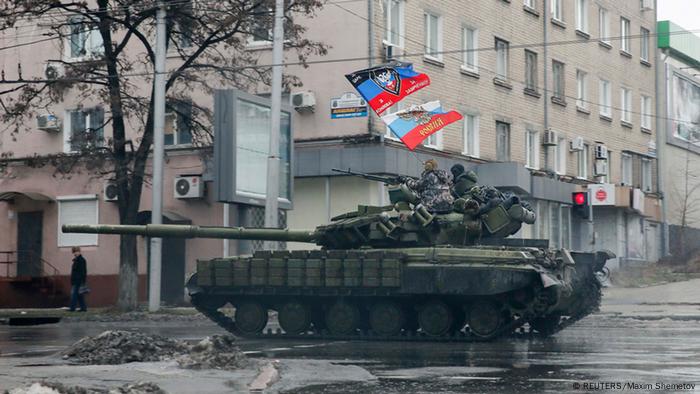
597,350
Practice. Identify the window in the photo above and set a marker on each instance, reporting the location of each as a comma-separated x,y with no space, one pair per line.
530,71
261,29
646,112
433,36
565,227
626,169
434,141
470,44
530,4
558,79
532,149
501,58
83,129
393,109
502,141
84,40
581,95
557,11
626,104
471,135
605,98
178,121
582,15
554,224
625,35
644,45
646,175
393,12
560,156
79,209
604,25
583,162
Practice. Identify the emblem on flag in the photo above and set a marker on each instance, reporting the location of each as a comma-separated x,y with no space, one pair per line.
386,85
417,123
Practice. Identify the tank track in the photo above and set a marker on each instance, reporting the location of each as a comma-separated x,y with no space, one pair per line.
589,305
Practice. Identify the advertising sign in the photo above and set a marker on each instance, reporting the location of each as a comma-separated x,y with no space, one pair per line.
349,105
602,194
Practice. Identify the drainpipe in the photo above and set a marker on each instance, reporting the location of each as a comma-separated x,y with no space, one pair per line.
660,76
545,25
370,52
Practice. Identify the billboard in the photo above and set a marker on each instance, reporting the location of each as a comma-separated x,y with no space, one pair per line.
685,110
242,123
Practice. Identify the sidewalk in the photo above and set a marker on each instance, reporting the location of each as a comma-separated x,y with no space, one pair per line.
677,300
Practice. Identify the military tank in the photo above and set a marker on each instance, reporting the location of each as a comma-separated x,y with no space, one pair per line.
396,272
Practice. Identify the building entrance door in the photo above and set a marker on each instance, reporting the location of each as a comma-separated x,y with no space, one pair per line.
29,234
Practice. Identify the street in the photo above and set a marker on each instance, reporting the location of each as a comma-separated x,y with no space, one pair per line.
642,339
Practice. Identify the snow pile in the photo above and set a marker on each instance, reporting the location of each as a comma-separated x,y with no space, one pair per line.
58,388
215,352
119,347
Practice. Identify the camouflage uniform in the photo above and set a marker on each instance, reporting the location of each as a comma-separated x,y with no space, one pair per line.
434,190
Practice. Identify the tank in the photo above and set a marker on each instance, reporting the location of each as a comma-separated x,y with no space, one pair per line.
397,272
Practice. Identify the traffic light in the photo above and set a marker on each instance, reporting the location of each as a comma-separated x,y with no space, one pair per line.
580,204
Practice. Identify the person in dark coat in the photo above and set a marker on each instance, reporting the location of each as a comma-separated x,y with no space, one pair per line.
433,187
78,276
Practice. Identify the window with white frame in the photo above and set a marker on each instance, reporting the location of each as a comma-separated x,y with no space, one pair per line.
605,98
471,135
393,109
433,36
581,89
178,121
583,162
604,25
554,224
78,209
557,10
530,70
532,149
558,77
502,141
434,141
83,128
261,29
626,104
530,3
626,160
625,34
560,156
84,40
394,17
470,45
646,175
582,15
501,58
646,112
644,44
565,226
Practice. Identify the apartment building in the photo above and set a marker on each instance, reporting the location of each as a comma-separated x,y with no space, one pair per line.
540,120
679,93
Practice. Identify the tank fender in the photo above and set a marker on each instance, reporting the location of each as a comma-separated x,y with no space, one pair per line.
192,286
601,257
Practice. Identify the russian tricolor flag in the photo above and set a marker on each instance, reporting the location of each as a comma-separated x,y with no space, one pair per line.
416,123
386,85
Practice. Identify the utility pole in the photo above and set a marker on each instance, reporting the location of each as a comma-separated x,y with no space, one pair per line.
158,153
273,159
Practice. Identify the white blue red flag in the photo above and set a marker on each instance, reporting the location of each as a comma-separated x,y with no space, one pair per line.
386,85
416,123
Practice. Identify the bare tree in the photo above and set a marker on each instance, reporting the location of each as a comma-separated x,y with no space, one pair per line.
209,40
687,196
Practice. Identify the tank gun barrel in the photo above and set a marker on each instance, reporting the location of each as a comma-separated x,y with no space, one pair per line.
389,179
187,231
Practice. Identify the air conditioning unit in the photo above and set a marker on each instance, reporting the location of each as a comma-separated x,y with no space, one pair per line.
303,101
647,5
48,122
601,152
549,138
391,52
54,70
110,192
600,168
188,186
577,144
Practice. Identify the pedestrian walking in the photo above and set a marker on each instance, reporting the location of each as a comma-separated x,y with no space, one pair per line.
78,277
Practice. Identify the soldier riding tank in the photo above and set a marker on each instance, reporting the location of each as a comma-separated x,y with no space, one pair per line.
395,272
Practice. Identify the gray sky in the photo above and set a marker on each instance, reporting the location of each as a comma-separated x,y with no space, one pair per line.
685,13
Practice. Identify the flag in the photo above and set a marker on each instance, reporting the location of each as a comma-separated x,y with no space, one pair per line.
386,85
416,123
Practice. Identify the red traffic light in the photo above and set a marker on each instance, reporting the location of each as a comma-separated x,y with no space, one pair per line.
580,198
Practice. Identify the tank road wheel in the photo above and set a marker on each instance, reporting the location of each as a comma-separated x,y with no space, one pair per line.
294,317
386,318
343,318
485,318
250,318
435,318
546,325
